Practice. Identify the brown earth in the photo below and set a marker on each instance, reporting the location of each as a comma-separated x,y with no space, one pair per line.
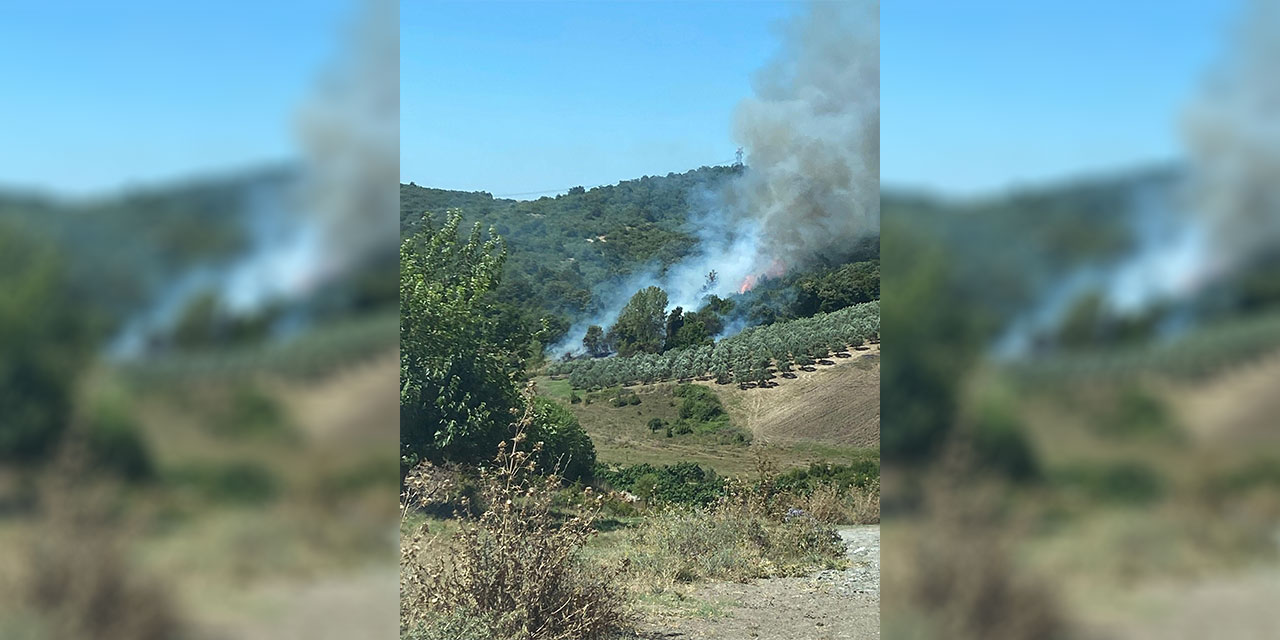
836,404
829,605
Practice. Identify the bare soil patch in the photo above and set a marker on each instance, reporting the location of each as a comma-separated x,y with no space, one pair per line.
828,605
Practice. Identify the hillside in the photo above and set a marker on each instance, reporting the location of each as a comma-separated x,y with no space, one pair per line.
568,255
832,405
830,414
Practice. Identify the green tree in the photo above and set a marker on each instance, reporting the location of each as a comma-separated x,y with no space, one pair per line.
565,445
595,342
45,342
674,322
641,327
458,395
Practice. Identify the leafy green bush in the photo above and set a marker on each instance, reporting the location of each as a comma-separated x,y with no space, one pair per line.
458,397
45,341
1138,413
565,444
1125,482
115,444
250,413
862,474
699,403
243,482
680,483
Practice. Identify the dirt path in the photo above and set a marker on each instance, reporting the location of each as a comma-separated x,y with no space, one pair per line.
829,605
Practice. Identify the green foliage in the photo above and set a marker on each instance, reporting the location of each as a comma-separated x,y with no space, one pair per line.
624,398
1126,482
862,473
698,403
115,443
680,483
44,345
641,325
1139,414
842,287
935,338
564,248
458,394
745,356
595,342
999,440
1000,444
565,445
453,625
657,424
239,483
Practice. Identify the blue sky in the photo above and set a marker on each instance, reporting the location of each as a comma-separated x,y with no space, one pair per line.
520,97
977,96
100,95
984,95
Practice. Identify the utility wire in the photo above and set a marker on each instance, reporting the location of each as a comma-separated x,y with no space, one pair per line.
536,193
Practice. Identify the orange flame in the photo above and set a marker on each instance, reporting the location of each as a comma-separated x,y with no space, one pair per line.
776,269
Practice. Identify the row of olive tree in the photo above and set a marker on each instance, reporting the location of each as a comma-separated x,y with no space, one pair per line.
746,357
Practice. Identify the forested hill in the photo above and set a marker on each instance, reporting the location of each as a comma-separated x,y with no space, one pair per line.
563,247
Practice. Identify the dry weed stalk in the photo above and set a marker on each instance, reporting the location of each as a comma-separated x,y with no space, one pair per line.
78,582
517,565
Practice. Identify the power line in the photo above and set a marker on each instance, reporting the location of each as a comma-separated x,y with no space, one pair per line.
546,191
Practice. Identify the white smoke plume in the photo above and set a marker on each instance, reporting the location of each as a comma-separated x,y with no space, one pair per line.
1225,214
350,133
813,136
812,184
1232,130
309,229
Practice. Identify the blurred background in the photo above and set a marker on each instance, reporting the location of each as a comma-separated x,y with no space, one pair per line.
198,315
1082,258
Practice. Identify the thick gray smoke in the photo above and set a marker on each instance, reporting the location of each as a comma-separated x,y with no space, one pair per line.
1232,130
812,186
1224,216
338,214
350,132
813,134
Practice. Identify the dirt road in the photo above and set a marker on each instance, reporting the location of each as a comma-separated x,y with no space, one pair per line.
829,605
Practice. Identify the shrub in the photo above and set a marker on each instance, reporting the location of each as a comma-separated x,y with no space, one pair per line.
1000,443
1124,482
241,482
732,540
517,570
698,403
79,581
680,483
831,504
566,446
115,444
861,474
656,425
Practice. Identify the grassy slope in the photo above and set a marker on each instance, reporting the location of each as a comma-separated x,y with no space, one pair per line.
831,414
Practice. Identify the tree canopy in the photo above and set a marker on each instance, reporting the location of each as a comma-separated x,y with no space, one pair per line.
642,324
